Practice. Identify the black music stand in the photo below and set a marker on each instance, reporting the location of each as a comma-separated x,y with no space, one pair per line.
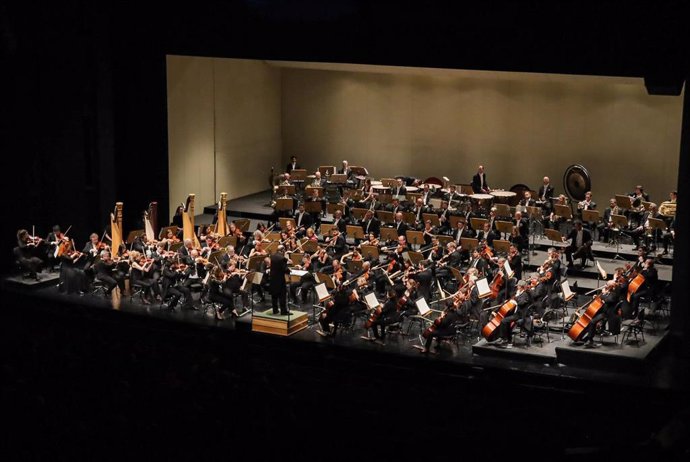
656,224
620,221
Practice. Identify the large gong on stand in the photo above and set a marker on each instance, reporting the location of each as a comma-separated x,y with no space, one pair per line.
576,182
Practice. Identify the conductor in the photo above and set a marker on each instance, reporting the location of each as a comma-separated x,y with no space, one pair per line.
277,284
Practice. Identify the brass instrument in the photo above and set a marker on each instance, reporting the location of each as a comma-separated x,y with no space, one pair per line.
667,209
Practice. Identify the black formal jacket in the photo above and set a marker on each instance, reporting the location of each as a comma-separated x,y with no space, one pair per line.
548,195
477,183
374,226
586,236
279,268
289,168
307,219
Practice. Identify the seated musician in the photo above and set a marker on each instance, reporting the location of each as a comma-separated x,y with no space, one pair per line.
370,224
234,280
395,206
515,261
539,288
669,236
445,325
519,316
336,243
388,315
479,183
479,262
461,230
668,208
311,235
345,169
554,220
233,230
423,278
651,278
606,225
106,273
322,261
435,251
339,221
306,282
258,249
337,272
587,203
426,194
521,228
418,209
337,310
141,275
452,195
72,277
507,284
399,189
487,235
216,294
303,220
637,207
545,194
25,255
644,231
428,232
610,297
171,287
399,225
580,244
492,218
186,248
444,214
527,200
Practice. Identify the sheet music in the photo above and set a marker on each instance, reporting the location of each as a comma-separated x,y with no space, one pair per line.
322,292
602,272
422,306
483,288
257,278
371,300
508,269
567,293
296,272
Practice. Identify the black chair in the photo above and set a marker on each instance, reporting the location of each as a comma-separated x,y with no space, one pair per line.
634,327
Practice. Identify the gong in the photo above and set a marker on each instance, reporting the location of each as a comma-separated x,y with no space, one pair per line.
576,182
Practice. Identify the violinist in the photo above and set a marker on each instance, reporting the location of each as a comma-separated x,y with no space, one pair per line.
479,262
337,310
107,273
487,235
651,278
216,295
435,251
186,248
233,281
54,239
519,316
94,246
170,237
24,253
306,282
423,278
554,221
382,317
580,244
337,272
258,249
370,224
233,230
515,261
72,276
172,287
336,244
609,296
142,276
321,261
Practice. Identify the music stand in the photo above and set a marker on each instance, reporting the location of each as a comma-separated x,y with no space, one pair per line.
466,189
501,246
435,202
338,178
414,257
134,234
370,251
591,216
385,198
176,246
444,240
554,236
415,237
468,243
478,223
354,266
326,170
456,274
298,174
483,288
620,222
409,218
272,247
453,220
313,191
502,210
272,236
358,213
505,227
563,211
309,246
389,234
656,224
313,207
624,202
284,204
296,258
254,263
355,231
385,217
326,229
164,230
227,240
286,190
389,182
412,197
284,221
431,217
331,208
325,279
358,170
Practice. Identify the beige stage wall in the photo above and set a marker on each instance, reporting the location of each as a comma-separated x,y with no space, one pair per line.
250,115
224,127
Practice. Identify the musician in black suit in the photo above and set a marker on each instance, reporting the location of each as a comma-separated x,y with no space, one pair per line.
277,284
651,277
640,231
399,189
546,194
444,327
426,194
24,254
580,244
293,165
337,243
444,214
520,316
487,235
522,225
607,222
399,224
527,200
303,220
418,210
395,206
339,221
479,183
105,272
515,261
609,296
370,224
479,262
345,169
424,278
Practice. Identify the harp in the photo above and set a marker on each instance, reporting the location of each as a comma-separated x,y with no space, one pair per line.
188,222
222,223
116,229
151,221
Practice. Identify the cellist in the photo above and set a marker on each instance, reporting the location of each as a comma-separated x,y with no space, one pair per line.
651,277
384,316
444,325
520,315
609,295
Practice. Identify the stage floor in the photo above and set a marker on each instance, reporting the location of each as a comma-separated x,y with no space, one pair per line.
540,359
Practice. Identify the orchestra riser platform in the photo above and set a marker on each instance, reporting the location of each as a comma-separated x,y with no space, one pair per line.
45,279
269,323
253,206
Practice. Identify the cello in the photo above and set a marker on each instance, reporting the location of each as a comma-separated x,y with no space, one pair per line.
583,321
506,309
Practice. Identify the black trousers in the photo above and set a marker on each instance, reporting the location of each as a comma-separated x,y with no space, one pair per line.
442,332
225,301
281,297
32,264
591,330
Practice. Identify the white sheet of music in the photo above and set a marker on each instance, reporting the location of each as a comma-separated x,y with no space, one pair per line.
296,272
602,272
567,293
322,292
508,269
371,300
483,288
422,306
257,278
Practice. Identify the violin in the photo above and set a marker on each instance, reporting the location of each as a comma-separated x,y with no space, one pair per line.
33,241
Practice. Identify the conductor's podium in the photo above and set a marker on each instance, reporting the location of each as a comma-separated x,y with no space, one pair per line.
278,324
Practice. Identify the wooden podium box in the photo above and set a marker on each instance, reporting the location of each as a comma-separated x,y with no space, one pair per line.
278,324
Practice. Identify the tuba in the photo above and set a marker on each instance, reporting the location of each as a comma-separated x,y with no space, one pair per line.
667,209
